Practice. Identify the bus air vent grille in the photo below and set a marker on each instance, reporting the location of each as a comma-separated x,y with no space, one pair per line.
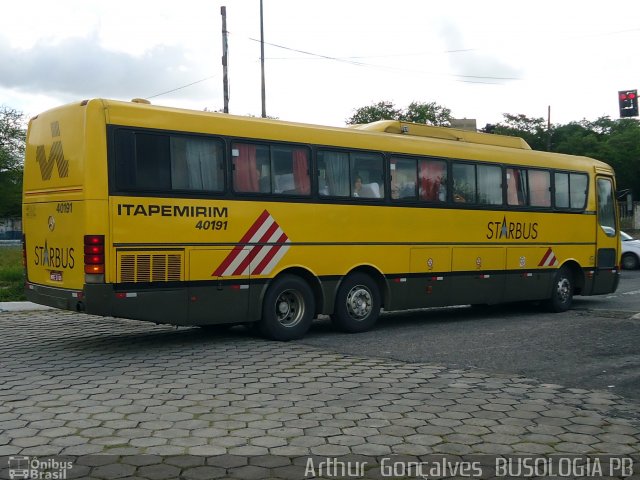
144,267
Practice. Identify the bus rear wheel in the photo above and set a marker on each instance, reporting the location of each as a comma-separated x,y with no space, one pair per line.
357,305
287,310
562,291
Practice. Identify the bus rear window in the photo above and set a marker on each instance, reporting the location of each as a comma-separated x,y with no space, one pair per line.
167,162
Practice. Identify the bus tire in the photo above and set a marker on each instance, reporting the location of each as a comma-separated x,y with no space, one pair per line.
357,305
562,291
287,310
629,261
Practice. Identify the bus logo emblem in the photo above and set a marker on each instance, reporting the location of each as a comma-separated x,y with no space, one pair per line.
259,250
56,155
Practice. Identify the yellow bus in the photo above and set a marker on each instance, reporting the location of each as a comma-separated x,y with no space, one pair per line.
197,218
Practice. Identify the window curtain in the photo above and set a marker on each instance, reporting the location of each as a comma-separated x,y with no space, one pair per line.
489,184
195,164
337,171
433,181
301,171
540,188
245,171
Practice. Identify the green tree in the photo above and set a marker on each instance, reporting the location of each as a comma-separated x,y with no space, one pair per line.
378,111
532,130
418,112
12,146
430,113
621,149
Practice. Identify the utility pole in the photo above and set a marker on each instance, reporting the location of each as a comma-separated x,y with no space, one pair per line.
264,106
225,59
549,128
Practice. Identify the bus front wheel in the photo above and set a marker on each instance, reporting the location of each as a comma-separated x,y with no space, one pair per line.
357,304
287,310
562,291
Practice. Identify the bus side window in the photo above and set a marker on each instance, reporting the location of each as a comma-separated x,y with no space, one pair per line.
196,164
540,187
251,168
489,181
464,182
143,161
403,179
517,187
290,168
570,190
369,168
335,166
578,190
433,180
561,181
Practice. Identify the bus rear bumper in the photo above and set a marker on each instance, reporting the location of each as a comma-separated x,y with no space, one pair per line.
162,305
62,298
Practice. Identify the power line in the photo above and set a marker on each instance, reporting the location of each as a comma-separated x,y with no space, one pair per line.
183,86
384,67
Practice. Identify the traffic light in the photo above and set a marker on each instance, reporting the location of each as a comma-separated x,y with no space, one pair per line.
628,100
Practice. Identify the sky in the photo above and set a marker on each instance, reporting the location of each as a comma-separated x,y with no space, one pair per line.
324,59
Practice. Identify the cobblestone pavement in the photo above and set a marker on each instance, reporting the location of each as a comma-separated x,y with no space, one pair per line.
72,384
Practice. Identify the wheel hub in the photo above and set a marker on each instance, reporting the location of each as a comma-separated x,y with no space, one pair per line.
359,302
564,289
289,308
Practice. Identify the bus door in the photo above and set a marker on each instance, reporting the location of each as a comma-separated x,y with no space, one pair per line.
607,238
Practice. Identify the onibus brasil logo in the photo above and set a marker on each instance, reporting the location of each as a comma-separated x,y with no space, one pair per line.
33,468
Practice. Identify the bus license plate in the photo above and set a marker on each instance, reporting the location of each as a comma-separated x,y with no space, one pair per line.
55,276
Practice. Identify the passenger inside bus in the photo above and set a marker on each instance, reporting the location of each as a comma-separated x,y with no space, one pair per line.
357,186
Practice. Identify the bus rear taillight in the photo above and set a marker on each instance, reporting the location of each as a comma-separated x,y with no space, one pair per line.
94,258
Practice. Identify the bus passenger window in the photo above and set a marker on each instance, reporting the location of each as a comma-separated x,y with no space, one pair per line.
251,168
369,167
196,164
143,161
334,172
562,190
464,183
489,184
290,167
489,181
578,190
517,187
433,180
540,188
403,179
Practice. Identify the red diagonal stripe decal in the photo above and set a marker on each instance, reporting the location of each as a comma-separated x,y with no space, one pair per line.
243,241
256,249
545,257
272,253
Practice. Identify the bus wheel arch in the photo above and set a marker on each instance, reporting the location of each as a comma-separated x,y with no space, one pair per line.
568,281
288,306
577,272
358,300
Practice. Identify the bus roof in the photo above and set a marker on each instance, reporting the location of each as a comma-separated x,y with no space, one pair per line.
445,133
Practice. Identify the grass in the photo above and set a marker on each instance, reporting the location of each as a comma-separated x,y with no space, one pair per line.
11,274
